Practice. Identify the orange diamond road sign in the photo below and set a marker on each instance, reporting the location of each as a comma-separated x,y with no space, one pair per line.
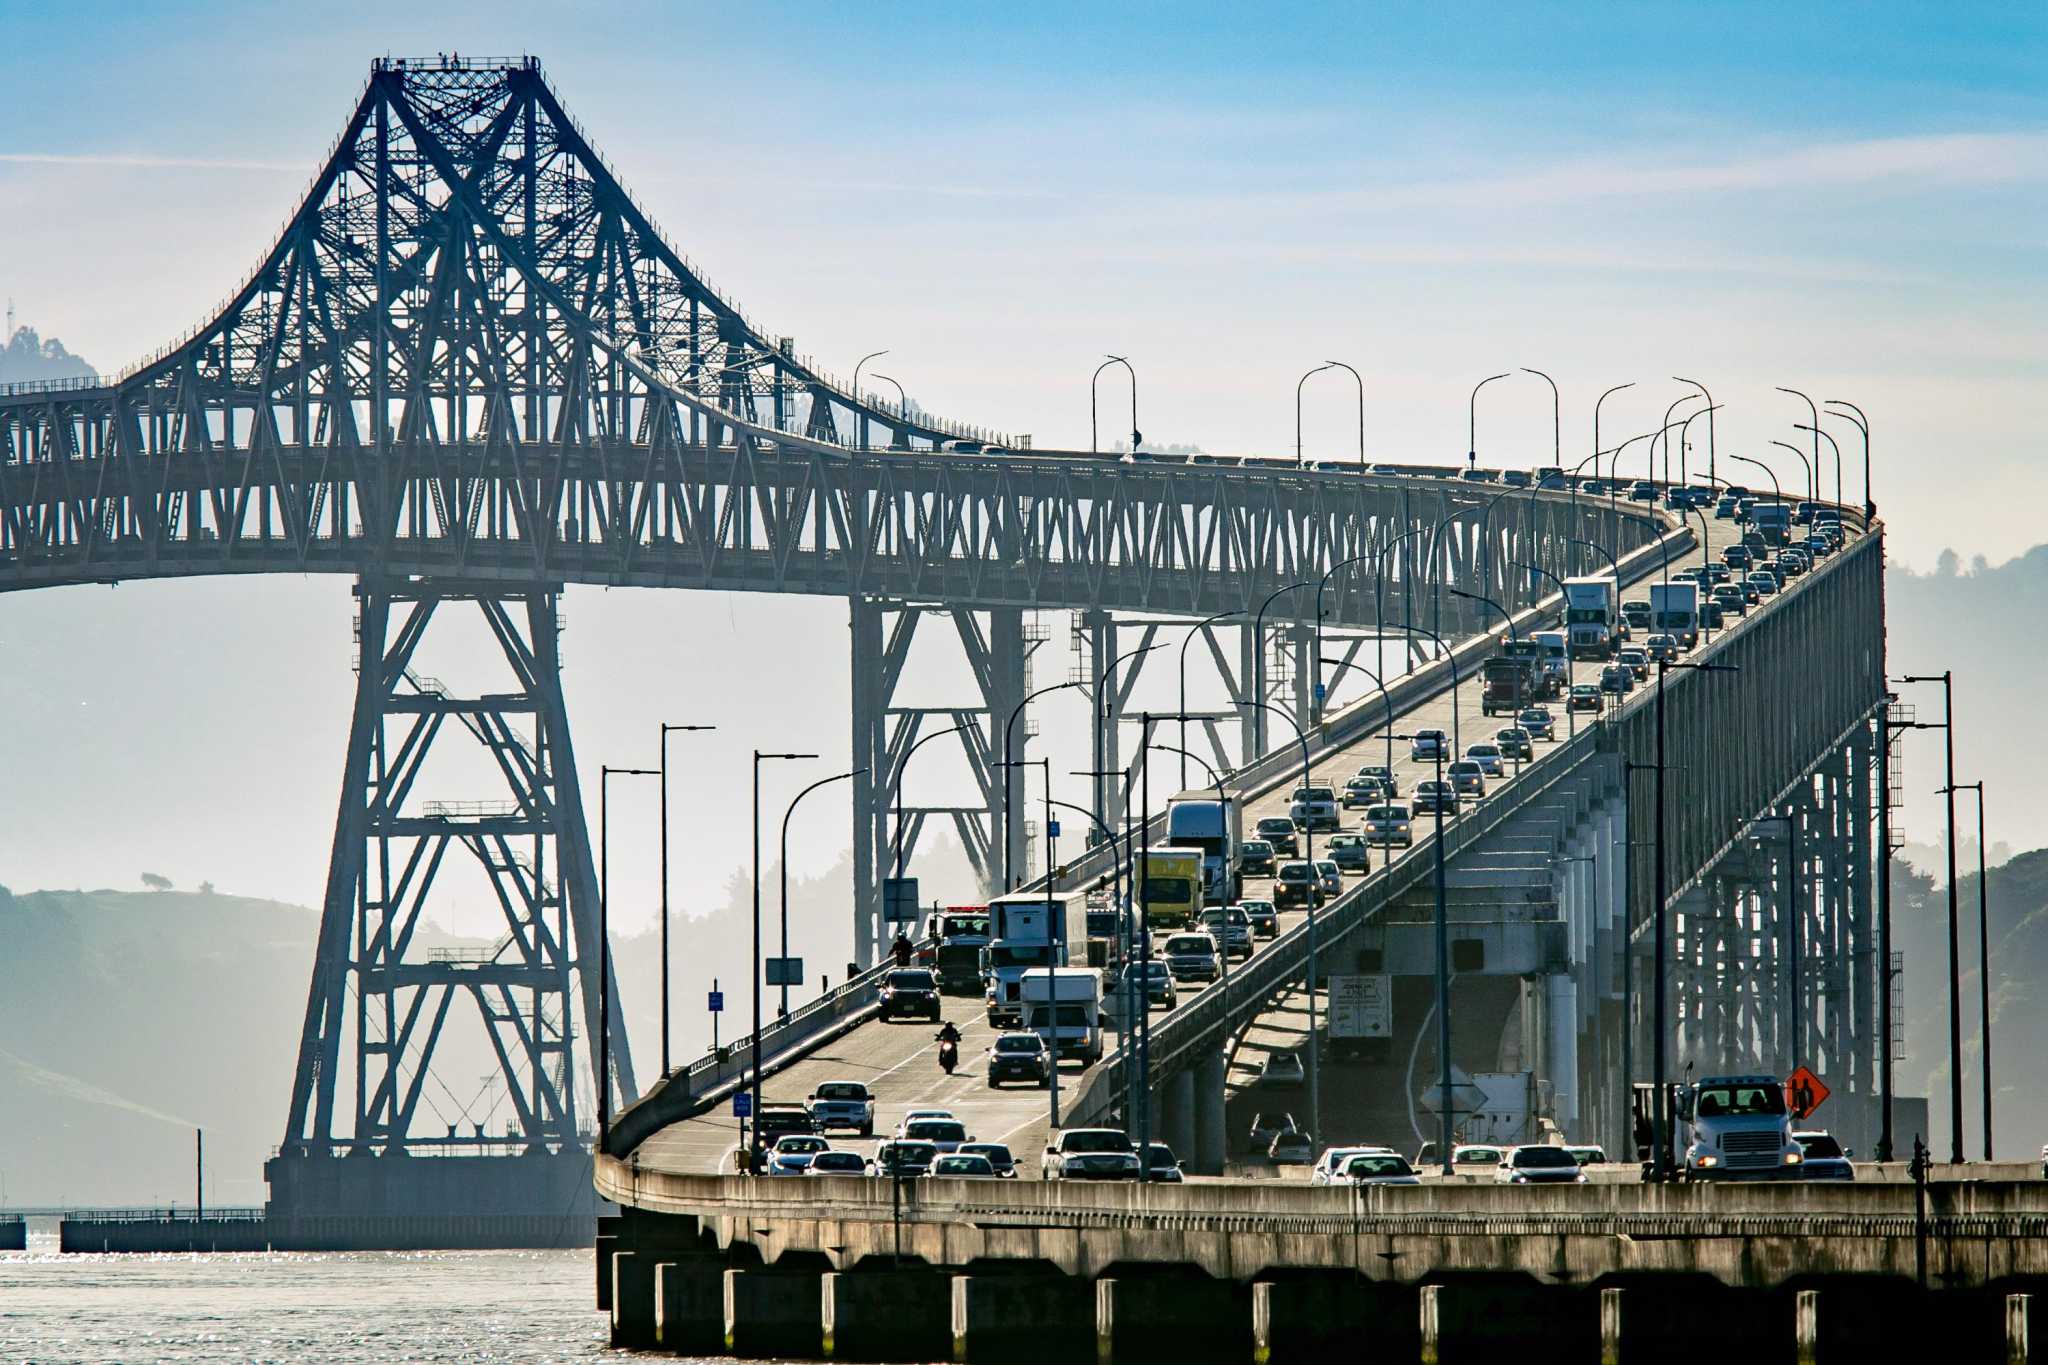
1804,1092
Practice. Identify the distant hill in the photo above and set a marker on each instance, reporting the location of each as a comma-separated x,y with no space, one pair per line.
26,356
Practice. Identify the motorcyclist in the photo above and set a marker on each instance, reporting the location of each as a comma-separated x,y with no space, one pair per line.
949,1033
901,949
949,1047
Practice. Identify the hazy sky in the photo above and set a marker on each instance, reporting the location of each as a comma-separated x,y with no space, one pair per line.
1845,199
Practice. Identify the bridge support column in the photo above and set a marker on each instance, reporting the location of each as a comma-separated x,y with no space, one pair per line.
1170,1319
632,1301
2019,1329
773,1313
1022,1319
1210,1123
1562,1014
1327,1317
887,1315
1177,1126
1483,1318
689,1305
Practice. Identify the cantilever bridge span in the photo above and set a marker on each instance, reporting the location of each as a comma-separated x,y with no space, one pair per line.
472,370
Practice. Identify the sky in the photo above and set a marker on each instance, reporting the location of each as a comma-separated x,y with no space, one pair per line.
1846,200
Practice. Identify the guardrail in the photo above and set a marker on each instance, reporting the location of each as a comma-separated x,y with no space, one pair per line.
221,1215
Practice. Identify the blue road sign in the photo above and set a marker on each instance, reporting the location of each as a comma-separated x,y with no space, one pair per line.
718,1002
743,1104
1052,828
1321,692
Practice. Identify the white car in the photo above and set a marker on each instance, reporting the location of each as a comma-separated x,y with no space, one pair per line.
835,1162
1378,1168
792,1155
1331,1162
1487,756
1427,745
1314,808
1389,825
903,1128
1476,1158
1538,1165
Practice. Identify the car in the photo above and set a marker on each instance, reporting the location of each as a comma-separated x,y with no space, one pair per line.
1361,791
995,1153
1766,584
1314,808
1637,613
1291,1149
960,1166
1515,743
1540,1164
914,1115
1725,509
835,1162
1537,721
1617,679
1349,852
1296,883
1731,599
1584,697
1230,926
1158,979
1636,660
1712,615
842,1104
1019,1057
1825,1159
1434,797
1474,1157
1468,778
1389,783
1379,1168
1790,564
1516,478
944,1134
1389,826
1737,556
910,993
1162,1167
1279,831
779,1120
1662,648
904,1159
1642,490
1588,1154
1332,876
1255,858
792,1154
1265,919
1191,956
1487,756
1282,1071
1267,1125
1089,1154
1329,1167
1427,745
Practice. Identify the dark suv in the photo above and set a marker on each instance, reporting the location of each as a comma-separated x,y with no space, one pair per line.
1297,884
1255,858
1278,831
910,993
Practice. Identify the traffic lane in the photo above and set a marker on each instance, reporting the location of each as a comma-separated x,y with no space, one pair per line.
899,1062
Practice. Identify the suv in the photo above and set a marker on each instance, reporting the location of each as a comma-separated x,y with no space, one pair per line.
1314,808
1537,721
1389,784
1361,791
1255,858
842,1104
1089,1154
1019,1057
780,1120
1279,831
1637,661
1296,884
1348,852
1514,743
1467,778
1428,744
1539,1165
1432,796
1230,926
1191,957
910,992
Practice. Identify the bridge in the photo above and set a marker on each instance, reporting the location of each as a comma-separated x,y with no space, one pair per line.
472,372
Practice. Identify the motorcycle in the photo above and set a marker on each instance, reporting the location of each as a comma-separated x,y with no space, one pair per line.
949,1055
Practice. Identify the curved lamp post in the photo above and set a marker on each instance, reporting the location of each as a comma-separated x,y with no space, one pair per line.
1094,444
1338,364
1472,421
1679,378
1556,420
1863,426
1297,409
871,355
1812,468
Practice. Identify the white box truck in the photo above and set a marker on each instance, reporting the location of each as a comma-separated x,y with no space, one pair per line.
1028,929
1590,604
1361,1014
1675,611
1063,1005
1199,819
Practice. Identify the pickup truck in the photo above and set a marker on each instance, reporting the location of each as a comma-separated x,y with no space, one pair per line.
1089,1154
842,1104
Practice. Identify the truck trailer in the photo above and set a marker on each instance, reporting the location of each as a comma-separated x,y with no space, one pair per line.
1590,607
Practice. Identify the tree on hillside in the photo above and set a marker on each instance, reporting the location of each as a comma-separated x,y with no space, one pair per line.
155,882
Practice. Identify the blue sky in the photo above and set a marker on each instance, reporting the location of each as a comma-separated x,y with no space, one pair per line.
1846,199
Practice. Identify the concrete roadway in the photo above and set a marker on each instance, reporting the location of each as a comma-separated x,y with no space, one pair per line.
899,1061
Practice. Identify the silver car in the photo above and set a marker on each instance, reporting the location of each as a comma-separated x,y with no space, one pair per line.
1389,826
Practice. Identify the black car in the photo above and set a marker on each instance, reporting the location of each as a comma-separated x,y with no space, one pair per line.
1265,919
781,1120
1019,1057
910,993
1297,884
1255,858
1278,831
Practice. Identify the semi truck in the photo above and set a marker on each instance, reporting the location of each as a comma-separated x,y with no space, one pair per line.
1212,822
1028,929
1719,1128
1063,1005
1511,682
1590,605
1675,610
1554,649
1170,887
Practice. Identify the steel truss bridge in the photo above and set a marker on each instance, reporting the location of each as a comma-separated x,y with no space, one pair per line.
472,371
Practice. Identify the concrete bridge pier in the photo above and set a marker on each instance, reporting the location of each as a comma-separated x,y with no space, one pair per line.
774,1313
1022,1319
1170,1319
1177,1113
1211,1126
887,1314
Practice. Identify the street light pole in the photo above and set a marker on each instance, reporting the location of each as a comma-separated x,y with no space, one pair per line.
902,410
1685,436
605,774
1818,434
1812,477
1863,426
1955,963
1679,378
1984,957
754,1044
1094,441
1815,428
902,768
823,781
1297,409
1361,410
1100,719
666,731
1316,695
1472,421
1556,419
1009,728
871,355
1259,652
1794,943
1443,969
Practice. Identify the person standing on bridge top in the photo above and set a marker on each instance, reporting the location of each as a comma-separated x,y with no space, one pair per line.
900,949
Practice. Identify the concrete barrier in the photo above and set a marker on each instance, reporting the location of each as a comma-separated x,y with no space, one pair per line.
1024,1319
887,1315
773,1313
